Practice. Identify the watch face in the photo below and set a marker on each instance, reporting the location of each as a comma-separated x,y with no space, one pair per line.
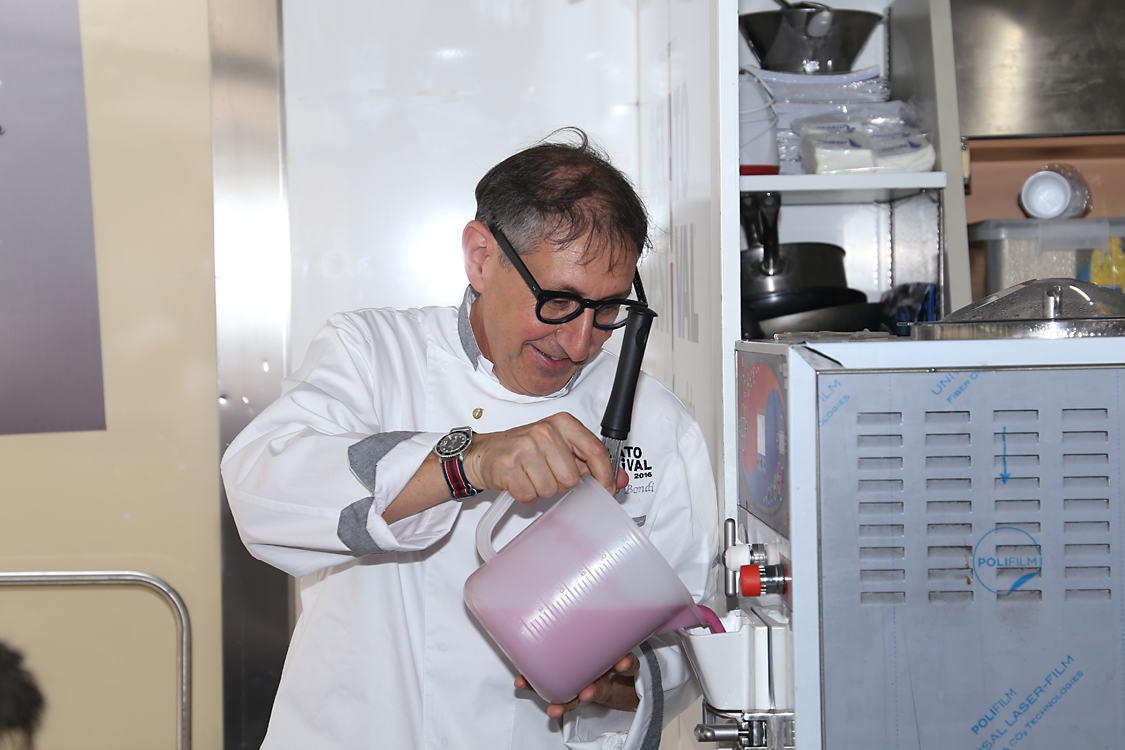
452,444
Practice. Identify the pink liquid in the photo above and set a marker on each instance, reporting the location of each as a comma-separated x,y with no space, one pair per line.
713,622
572,651
694,615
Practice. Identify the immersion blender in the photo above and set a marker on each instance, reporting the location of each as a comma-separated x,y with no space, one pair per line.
619,411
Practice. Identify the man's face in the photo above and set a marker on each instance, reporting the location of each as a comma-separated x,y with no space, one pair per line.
529,356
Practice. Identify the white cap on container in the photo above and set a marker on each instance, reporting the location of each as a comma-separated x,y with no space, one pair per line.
1045,195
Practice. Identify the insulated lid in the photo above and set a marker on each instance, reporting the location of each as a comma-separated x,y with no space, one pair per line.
1039,309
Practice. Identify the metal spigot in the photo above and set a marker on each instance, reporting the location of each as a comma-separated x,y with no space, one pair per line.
730,538
760,730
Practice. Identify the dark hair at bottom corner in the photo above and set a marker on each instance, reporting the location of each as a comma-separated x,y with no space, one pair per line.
21,701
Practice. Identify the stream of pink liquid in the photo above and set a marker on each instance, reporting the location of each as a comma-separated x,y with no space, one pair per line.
712,619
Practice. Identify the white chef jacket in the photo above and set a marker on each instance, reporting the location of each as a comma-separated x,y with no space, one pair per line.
385,653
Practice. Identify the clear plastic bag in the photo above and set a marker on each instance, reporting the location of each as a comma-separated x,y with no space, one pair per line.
757,126
860,86
791,112
860,139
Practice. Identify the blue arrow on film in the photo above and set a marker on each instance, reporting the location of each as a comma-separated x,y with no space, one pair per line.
1004,441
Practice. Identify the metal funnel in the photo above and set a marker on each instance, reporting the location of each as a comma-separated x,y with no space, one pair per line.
808,40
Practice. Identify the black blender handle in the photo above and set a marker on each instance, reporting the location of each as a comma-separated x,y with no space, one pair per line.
748,215
619,410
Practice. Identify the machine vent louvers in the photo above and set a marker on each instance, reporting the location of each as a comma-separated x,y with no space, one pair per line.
948,482
1086,525
1018,456
970,554
881,555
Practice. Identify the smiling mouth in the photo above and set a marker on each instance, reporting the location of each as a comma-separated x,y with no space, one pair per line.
552,359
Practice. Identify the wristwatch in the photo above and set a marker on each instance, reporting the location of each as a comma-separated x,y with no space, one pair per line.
450,450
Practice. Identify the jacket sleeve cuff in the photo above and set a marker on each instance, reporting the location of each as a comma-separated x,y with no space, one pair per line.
384,463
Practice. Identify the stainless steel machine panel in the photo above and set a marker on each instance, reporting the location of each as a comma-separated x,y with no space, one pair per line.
971,558
948,517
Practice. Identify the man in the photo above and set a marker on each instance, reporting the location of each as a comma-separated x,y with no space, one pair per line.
340,481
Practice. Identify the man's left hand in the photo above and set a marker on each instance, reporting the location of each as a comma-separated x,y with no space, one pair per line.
614,689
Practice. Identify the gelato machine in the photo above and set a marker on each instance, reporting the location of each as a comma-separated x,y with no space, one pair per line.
927,549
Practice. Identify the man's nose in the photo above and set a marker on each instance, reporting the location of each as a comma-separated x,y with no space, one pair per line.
575,336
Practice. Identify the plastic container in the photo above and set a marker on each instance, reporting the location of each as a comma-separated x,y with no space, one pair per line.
575,591
1058,191
757,127
746,644
1018,250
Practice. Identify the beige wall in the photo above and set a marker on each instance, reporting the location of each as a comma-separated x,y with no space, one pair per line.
143,494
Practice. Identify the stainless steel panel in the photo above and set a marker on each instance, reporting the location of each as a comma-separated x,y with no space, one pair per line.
956,545
252,306
1039,67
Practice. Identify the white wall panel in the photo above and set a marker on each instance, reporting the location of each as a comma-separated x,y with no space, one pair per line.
653,18
395,110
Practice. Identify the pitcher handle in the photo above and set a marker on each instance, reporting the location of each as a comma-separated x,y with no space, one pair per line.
488,523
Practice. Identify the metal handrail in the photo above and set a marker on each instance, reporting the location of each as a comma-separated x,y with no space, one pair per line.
133,578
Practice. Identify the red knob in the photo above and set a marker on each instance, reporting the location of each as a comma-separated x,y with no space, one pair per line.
756,580
750,580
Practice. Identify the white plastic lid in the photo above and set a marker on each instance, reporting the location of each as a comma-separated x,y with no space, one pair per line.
1045,194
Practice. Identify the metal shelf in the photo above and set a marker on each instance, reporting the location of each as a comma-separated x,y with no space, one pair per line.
806,189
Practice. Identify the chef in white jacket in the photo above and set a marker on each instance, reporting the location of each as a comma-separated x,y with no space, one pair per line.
340,482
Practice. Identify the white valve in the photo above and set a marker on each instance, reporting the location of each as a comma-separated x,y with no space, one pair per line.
734,558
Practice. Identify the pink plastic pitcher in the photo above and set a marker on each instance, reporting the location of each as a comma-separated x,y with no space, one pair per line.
575,591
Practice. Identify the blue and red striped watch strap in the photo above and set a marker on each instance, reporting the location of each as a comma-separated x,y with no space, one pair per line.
454,472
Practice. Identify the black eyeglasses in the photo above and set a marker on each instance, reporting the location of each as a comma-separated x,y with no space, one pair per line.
556,308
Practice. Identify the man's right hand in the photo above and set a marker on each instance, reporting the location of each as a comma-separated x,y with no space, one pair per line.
538,460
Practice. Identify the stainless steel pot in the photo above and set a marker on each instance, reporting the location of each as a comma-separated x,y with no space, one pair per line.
783,279
1035,309
858,316
798,265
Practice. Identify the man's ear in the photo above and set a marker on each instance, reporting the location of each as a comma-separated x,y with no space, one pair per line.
477,247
